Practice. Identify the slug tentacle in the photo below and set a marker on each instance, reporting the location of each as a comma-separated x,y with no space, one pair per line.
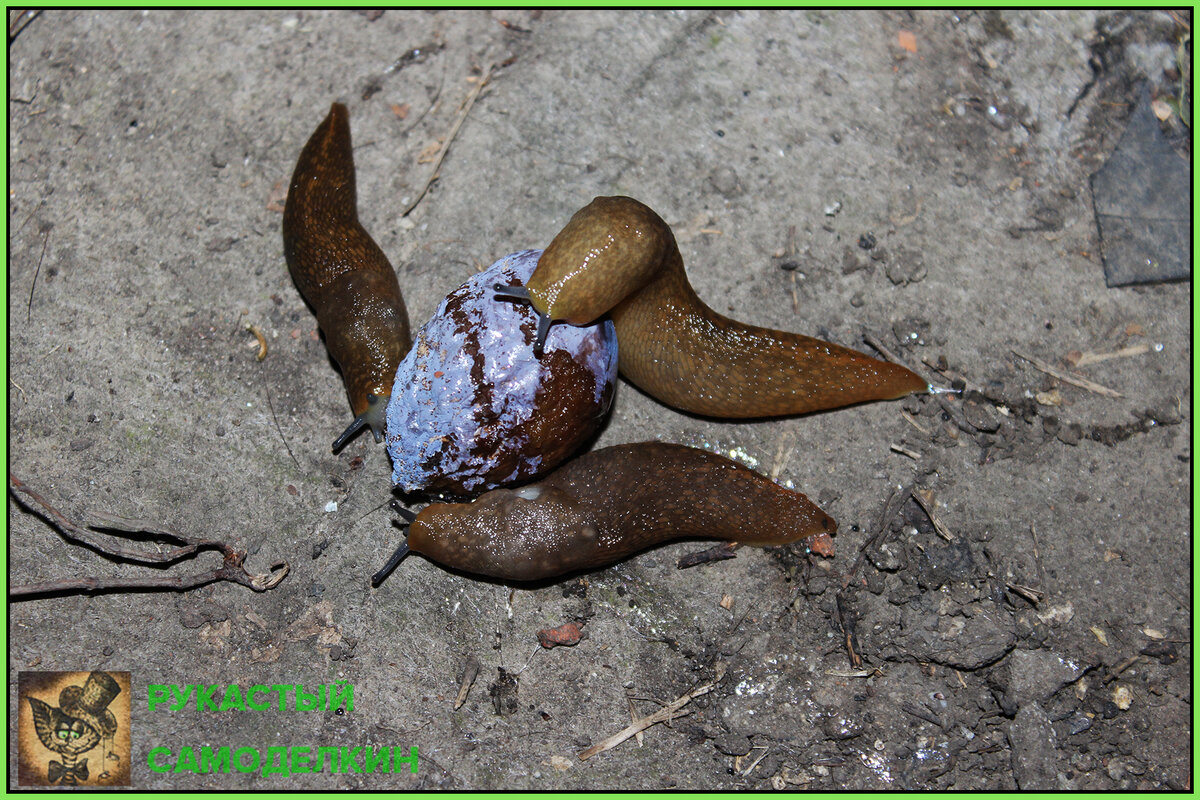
401,549
343,274
617,256
521,295
394,561
373,418
609,504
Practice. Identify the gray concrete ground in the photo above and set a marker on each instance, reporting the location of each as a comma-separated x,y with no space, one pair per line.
148,152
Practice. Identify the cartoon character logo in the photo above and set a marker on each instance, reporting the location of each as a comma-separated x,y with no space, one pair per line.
81,721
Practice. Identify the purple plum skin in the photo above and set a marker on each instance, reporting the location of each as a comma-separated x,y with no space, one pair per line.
473,408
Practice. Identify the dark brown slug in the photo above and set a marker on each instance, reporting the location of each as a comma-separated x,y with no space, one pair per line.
617,256
343,274
606,505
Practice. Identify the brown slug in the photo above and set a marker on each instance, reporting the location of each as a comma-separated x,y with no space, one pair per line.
606,505
617,256
343,274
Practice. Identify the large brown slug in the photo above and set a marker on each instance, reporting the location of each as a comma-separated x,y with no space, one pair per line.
606,505
617,256
343,274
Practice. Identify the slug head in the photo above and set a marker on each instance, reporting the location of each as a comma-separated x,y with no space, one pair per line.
374,417
610,249
523,534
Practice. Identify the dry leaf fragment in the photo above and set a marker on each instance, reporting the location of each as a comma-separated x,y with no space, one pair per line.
726,601
907,40
567,635
1100,635
821,545
1154,634
277,197
1050,398
430,153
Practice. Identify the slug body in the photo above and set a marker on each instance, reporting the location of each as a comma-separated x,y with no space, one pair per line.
473,408
608,504
343,274
617,256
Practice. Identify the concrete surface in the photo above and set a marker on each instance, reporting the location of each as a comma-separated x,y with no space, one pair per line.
148,152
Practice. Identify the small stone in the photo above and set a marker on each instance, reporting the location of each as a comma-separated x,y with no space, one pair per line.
888,557
81,444
981,416
867,241
840,727
1070,434
1034,749
1050,425
851,263
1080,722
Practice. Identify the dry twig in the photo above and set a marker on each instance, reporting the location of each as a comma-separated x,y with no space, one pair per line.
279,430
1063,375
665,714
38,271
718,552
924,498
232,569
437,162
470,672
21,21
890,509
1125,352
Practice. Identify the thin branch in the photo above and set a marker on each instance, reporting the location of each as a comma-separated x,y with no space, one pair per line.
38,271
1125,352
282,438
437,162
22,22
1063,375
898,498
664,714
232,569
924,498
77,534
